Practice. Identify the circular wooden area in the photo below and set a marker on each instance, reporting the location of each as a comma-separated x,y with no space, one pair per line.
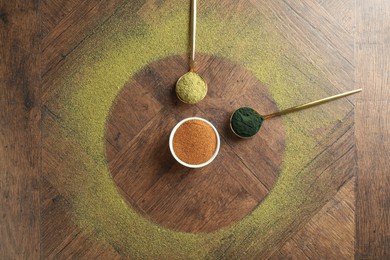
163,191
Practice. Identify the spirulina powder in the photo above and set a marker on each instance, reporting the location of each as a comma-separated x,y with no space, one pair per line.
246,122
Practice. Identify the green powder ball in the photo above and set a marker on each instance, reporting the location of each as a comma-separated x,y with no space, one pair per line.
191,88
246,122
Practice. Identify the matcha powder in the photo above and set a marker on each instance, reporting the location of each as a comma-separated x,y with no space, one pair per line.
246,122
191,88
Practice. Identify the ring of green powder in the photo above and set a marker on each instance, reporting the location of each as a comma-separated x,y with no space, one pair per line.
112,56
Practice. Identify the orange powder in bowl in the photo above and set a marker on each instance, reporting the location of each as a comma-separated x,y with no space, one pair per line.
194,142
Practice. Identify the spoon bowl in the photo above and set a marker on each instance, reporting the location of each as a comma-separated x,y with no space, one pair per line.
245,122
191,88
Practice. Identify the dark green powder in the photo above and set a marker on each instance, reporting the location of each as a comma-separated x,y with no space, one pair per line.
246,122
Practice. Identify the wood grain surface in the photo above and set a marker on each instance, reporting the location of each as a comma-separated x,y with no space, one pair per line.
372,42
176,197
347,41
20,135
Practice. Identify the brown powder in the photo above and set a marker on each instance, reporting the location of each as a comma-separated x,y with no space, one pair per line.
194,142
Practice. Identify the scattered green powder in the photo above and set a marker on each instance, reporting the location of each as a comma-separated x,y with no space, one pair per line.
95,72
191,88
246,122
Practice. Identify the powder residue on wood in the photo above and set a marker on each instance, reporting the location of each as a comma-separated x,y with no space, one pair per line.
194,142
93,74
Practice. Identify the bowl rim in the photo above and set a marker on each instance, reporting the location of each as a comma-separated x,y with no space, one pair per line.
173,134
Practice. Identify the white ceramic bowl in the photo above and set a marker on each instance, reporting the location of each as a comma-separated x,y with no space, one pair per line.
173,151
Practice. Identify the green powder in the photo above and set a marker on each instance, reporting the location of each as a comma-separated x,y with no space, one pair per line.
246,122
191,88
95,72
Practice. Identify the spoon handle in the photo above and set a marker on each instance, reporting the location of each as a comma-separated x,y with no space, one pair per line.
193,34
310,104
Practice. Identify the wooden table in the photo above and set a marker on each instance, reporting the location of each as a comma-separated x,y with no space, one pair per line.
231,209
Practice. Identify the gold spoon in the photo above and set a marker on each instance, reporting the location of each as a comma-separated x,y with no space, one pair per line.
191,88
252,121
